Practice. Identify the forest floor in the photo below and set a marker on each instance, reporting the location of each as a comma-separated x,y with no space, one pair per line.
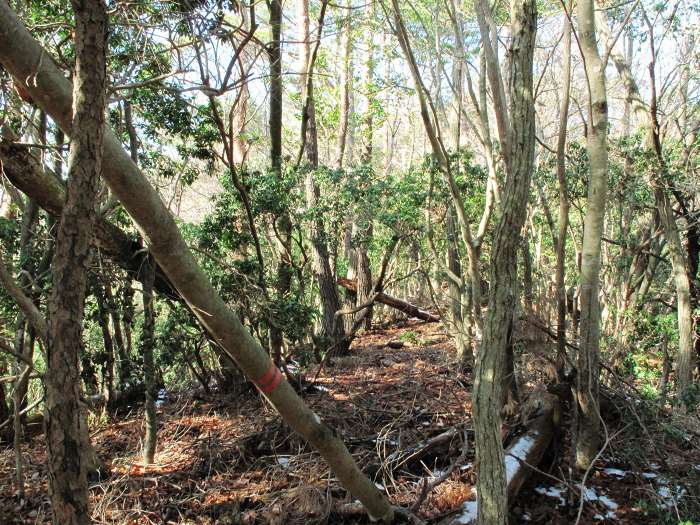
233,461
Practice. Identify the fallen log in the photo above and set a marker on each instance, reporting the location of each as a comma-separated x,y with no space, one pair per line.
523,454
393,302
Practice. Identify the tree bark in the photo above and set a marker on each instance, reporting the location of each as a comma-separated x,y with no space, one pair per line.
149,370
345,86
587,385
493,375
458,294
108,342
284,225
121,356
66,433
20,54
560,274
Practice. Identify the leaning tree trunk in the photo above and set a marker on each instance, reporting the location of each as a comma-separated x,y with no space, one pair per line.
20,54
492,374
65,435
588,419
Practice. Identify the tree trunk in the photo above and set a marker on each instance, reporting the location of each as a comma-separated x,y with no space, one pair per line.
332,328
345,86
457,294
364,270
492,374
127,318
588,419
368,119
149,370
307,87
20,54
563,198
284,226
108,360
66,433
121,356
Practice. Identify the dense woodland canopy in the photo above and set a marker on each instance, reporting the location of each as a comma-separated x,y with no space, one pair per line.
307,261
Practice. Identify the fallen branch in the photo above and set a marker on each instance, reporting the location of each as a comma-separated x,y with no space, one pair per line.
393,302
525,453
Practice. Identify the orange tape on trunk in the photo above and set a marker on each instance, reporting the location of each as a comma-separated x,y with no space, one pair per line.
269,380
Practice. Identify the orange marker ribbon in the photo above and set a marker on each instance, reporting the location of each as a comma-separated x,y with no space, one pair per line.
269,380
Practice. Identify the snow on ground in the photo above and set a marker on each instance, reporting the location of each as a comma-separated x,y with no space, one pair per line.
469,513
517,453
552,492
614,472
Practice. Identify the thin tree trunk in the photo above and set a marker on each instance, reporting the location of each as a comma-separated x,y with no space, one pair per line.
149,370
368,119
458,294
29,217
345,86
588,421
120,348
66,433
108,361
332,328
127,318
284,226
563,198
494,369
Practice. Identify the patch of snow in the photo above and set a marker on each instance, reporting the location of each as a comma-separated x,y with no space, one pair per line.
615,472
321,388
552,492
669,496
469,513
283,461
436,474
612,505
591,495
161,397
517,453
379,486
608,516
696,467
649,475
467,466
526,517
